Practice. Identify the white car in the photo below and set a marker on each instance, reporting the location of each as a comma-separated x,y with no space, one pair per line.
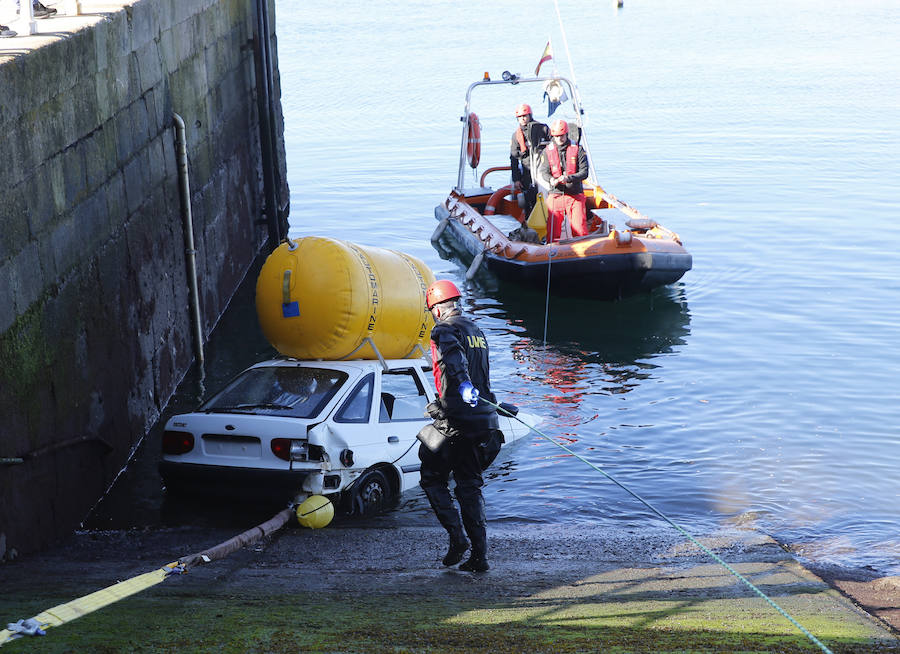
288,428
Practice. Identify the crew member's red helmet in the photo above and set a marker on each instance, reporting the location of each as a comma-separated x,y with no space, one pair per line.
523,110
441,291
559,127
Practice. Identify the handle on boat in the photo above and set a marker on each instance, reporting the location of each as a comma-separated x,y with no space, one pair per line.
491,170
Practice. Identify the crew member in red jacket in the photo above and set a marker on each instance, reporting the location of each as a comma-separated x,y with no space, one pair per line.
472,440
565,165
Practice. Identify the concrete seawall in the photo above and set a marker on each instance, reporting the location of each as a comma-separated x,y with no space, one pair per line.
95,329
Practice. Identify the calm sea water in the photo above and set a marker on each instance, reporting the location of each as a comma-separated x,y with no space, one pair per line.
759,391
762,388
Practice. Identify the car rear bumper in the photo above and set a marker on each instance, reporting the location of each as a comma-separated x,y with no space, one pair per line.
230,480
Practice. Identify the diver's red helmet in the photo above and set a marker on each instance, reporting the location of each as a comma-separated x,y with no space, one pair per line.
523,110
559,127
441,291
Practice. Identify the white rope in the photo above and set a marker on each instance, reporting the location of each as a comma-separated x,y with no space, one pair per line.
566,46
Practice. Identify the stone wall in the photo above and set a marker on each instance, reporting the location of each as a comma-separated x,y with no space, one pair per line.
95,328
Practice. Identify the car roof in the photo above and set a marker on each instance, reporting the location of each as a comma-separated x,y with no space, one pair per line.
354,364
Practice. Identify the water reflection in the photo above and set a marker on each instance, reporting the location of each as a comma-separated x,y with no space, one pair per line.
585,346
618,331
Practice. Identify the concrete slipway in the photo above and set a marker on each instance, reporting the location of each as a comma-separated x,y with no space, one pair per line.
377,586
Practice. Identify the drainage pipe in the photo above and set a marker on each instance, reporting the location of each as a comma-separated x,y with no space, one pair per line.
263,105
187,224
273,119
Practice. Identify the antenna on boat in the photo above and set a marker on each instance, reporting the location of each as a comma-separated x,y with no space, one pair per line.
566,46
577,98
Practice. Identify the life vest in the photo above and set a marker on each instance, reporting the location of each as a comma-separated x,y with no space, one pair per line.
571,160
520,139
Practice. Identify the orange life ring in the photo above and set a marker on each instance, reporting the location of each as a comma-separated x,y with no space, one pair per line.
491,207
473,147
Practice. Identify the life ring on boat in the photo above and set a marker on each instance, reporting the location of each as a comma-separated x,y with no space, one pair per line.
473,147
497,196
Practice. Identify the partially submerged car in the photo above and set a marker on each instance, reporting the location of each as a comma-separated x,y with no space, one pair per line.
288,429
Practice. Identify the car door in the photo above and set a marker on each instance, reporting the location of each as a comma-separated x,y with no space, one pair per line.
403,398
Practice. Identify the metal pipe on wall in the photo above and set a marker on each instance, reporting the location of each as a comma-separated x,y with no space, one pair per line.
264,106
187,223
282,208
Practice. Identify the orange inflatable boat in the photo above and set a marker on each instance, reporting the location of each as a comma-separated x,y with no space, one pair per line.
624,251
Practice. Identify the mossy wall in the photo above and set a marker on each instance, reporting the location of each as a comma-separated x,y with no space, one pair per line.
95,327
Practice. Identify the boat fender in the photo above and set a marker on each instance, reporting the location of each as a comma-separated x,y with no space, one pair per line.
623,239
442,225
473,147
474,266
643,224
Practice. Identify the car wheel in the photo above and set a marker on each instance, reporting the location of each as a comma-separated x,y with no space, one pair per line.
371,493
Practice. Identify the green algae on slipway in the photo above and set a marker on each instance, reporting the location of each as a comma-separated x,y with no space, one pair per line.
697,609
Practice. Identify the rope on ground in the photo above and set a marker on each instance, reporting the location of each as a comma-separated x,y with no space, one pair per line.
703,547
222,550
77,608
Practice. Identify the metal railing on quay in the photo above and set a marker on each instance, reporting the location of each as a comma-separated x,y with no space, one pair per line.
19,15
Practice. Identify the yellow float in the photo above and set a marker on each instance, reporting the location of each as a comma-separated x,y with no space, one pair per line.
323,298
315,512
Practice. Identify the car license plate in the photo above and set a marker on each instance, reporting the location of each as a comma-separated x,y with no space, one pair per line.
243,446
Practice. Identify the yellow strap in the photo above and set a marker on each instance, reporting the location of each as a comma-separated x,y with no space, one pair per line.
69,611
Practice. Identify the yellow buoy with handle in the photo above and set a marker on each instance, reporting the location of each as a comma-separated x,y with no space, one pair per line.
315,512
322,298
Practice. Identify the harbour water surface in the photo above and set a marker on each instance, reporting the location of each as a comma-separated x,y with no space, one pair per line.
762,389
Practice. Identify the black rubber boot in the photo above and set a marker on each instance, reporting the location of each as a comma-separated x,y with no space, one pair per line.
475,564
471,505
456,551
443,507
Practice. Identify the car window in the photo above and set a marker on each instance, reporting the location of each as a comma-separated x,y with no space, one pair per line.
402,397
293,391
357,407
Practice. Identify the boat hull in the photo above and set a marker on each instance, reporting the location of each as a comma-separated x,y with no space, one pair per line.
608,267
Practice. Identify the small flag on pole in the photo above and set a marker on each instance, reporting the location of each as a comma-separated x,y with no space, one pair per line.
547,56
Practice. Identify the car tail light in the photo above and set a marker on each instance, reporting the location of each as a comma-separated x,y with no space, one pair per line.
289,449
177,442
281,447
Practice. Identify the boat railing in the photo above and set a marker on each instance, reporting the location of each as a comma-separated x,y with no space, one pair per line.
492,169
514,80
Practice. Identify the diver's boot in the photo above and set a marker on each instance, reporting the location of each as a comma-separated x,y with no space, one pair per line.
458,547
442,504
471,506
475,564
